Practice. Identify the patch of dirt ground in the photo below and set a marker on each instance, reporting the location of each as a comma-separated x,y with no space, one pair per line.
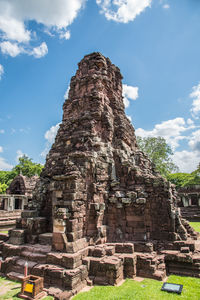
6,286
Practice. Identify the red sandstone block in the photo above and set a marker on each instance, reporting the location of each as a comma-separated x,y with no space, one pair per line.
54,258
71,225
124,248
110,250
132,218
84,252
94,265
57,238
185,249
59,246
143,247
72,278
71,261
98,252
52,271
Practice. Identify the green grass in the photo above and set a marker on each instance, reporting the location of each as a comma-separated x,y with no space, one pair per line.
3,231
14,289
148,289
195,225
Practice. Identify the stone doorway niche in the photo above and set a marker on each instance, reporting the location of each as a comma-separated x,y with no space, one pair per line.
194,200
16,189
18,203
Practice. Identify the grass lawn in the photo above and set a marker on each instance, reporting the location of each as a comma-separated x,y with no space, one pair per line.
148,289
195,225
3,231
9,290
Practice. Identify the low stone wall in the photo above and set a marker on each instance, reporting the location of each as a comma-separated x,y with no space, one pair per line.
8,219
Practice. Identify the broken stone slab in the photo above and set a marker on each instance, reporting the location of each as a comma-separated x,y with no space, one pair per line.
45,238
29,214
141,200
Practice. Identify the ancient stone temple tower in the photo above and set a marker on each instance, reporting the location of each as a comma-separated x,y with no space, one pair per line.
100,212
97,186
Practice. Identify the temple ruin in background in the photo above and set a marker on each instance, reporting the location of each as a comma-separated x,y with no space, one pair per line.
190,202
16,199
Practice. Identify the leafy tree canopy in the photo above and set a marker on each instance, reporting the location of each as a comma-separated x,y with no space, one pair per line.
3,188
159,153
185,179
26,167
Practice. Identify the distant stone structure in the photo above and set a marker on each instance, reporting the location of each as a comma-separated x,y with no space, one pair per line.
23,185
101,207
17,197
190,202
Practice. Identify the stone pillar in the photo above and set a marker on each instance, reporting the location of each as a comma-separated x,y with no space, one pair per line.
185,201
22,204
11,205
6,203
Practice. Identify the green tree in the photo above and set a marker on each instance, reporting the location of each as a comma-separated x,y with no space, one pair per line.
159,153
185,179
27,168
5,179
3,188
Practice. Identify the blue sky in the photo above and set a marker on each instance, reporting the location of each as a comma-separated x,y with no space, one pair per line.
155,43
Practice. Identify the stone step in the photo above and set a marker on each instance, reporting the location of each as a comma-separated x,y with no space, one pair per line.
45,238
159,275
35,257
7,222
26,251
36,248
54,275
3,236
11,214
15,276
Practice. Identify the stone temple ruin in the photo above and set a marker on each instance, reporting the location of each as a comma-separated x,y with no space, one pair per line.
100,207
17,197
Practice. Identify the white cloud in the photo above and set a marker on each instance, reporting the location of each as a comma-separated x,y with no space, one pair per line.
65,35
129,92
50,137
55,16
129,117
123,11
4,165
194,141
190,121
2,131
40,51
51,133
12,28
11,49
166,6
1,71
195,95
19,154
171,130
187,161
66,93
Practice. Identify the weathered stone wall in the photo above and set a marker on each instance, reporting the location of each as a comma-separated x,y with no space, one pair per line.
96,185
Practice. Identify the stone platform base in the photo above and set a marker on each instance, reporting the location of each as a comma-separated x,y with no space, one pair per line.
65,274
38,297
